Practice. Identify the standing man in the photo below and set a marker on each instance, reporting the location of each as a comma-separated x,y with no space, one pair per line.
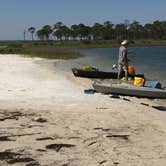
123,60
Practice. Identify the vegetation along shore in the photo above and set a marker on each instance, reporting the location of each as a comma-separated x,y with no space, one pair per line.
61,41
64,49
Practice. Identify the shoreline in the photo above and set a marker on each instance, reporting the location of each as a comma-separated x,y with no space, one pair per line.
46,117
65,49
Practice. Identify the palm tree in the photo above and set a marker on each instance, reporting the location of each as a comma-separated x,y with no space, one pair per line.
163,29
61,31
47,31
97,31
24,33
108,32
148,30
66,32
58,30
83,31
120,31
58,34
58,25
136,30
32,31
74,33
40,34
157,29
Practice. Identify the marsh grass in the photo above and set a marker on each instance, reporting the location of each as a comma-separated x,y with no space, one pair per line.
64,49
46,50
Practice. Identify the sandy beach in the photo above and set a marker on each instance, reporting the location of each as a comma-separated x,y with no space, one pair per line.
46,119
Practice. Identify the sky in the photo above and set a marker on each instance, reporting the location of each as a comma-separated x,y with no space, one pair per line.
18,15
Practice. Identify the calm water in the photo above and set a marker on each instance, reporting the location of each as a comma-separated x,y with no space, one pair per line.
148,60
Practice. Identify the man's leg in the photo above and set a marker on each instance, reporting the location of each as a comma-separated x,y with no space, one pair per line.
119,71
126,75
125,68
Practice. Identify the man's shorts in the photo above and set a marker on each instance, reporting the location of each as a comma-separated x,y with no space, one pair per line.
122,67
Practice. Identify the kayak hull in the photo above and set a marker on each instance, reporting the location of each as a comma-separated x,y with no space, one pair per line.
129,90
99,74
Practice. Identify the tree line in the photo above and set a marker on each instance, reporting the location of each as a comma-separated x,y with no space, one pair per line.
98,31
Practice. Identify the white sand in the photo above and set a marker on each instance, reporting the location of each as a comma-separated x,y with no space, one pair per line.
96,124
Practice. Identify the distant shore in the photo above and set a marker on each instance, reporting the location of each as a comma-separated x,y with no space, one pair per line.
64,49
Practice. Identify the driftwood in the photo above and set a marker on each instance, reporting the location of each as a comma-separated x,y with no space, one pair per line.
102,162
19,135
20,158
122,136
7,136
69,162
51,137
92,143
15,157
41,150
45,138
116,163
12,115
33,163
40,119
57,147
7,155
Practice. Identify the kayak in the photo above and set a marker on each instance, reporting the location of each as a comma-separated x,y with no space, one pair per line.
129,90
99,74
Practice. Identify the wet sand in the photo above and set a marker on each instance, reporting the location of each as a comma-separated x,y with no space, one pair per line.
46,119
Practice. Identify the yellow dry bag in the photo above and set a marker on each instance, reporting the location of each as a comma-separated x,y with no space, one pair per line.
138,81
87,67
